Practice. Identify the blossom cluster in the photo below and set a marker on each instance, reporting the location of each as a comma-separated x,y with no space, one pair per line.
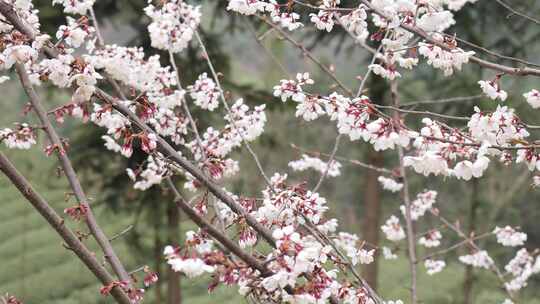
308,162
22,137
173,24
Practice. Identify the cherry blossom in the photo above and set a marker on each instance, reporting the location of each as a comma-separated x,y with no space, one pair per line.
390,184
493,90
424,201
508,236
80,7
173,24
355,22
388,72
205,93
479,259
521,267
448,61
431,239
247,7
388,254
22,137
74,33
308,162
434,266
393,230
533,98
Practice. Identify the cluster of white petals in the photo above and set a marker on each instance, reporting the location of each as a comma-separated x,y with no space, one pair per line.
74,33
355,23
492,90
533,98
173,25
390,184
393,229
446,60
508,236
308,162
498,128
434,266
431,239
21,138
424,201
190,266
479,259
521,267
80,7
205,93
154,172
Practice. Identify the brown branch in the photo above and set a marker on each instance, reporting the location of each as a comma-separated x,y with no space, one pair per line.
169,151
71,176
50,215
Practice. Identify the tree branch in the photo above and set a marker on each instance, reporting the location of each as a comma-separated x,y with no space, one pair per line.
411,241
50,215
71,176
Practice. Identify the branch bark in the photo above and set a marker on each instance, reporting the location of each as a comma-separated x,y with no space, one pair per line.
411,241
50,215
73,180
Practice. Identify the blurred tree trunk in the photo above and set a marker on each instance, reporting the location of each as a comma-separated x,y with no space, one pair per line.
173,283
469,279
158,258
372,191
372,214
350,215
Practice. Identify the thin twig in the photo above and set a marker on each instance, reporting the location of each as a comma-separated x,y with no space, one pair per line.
442,101
352,161
266,50
411,242
233,122
369,70
456,246
515,12
427,113
308,54
121,233
328,164
186,107
461,234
